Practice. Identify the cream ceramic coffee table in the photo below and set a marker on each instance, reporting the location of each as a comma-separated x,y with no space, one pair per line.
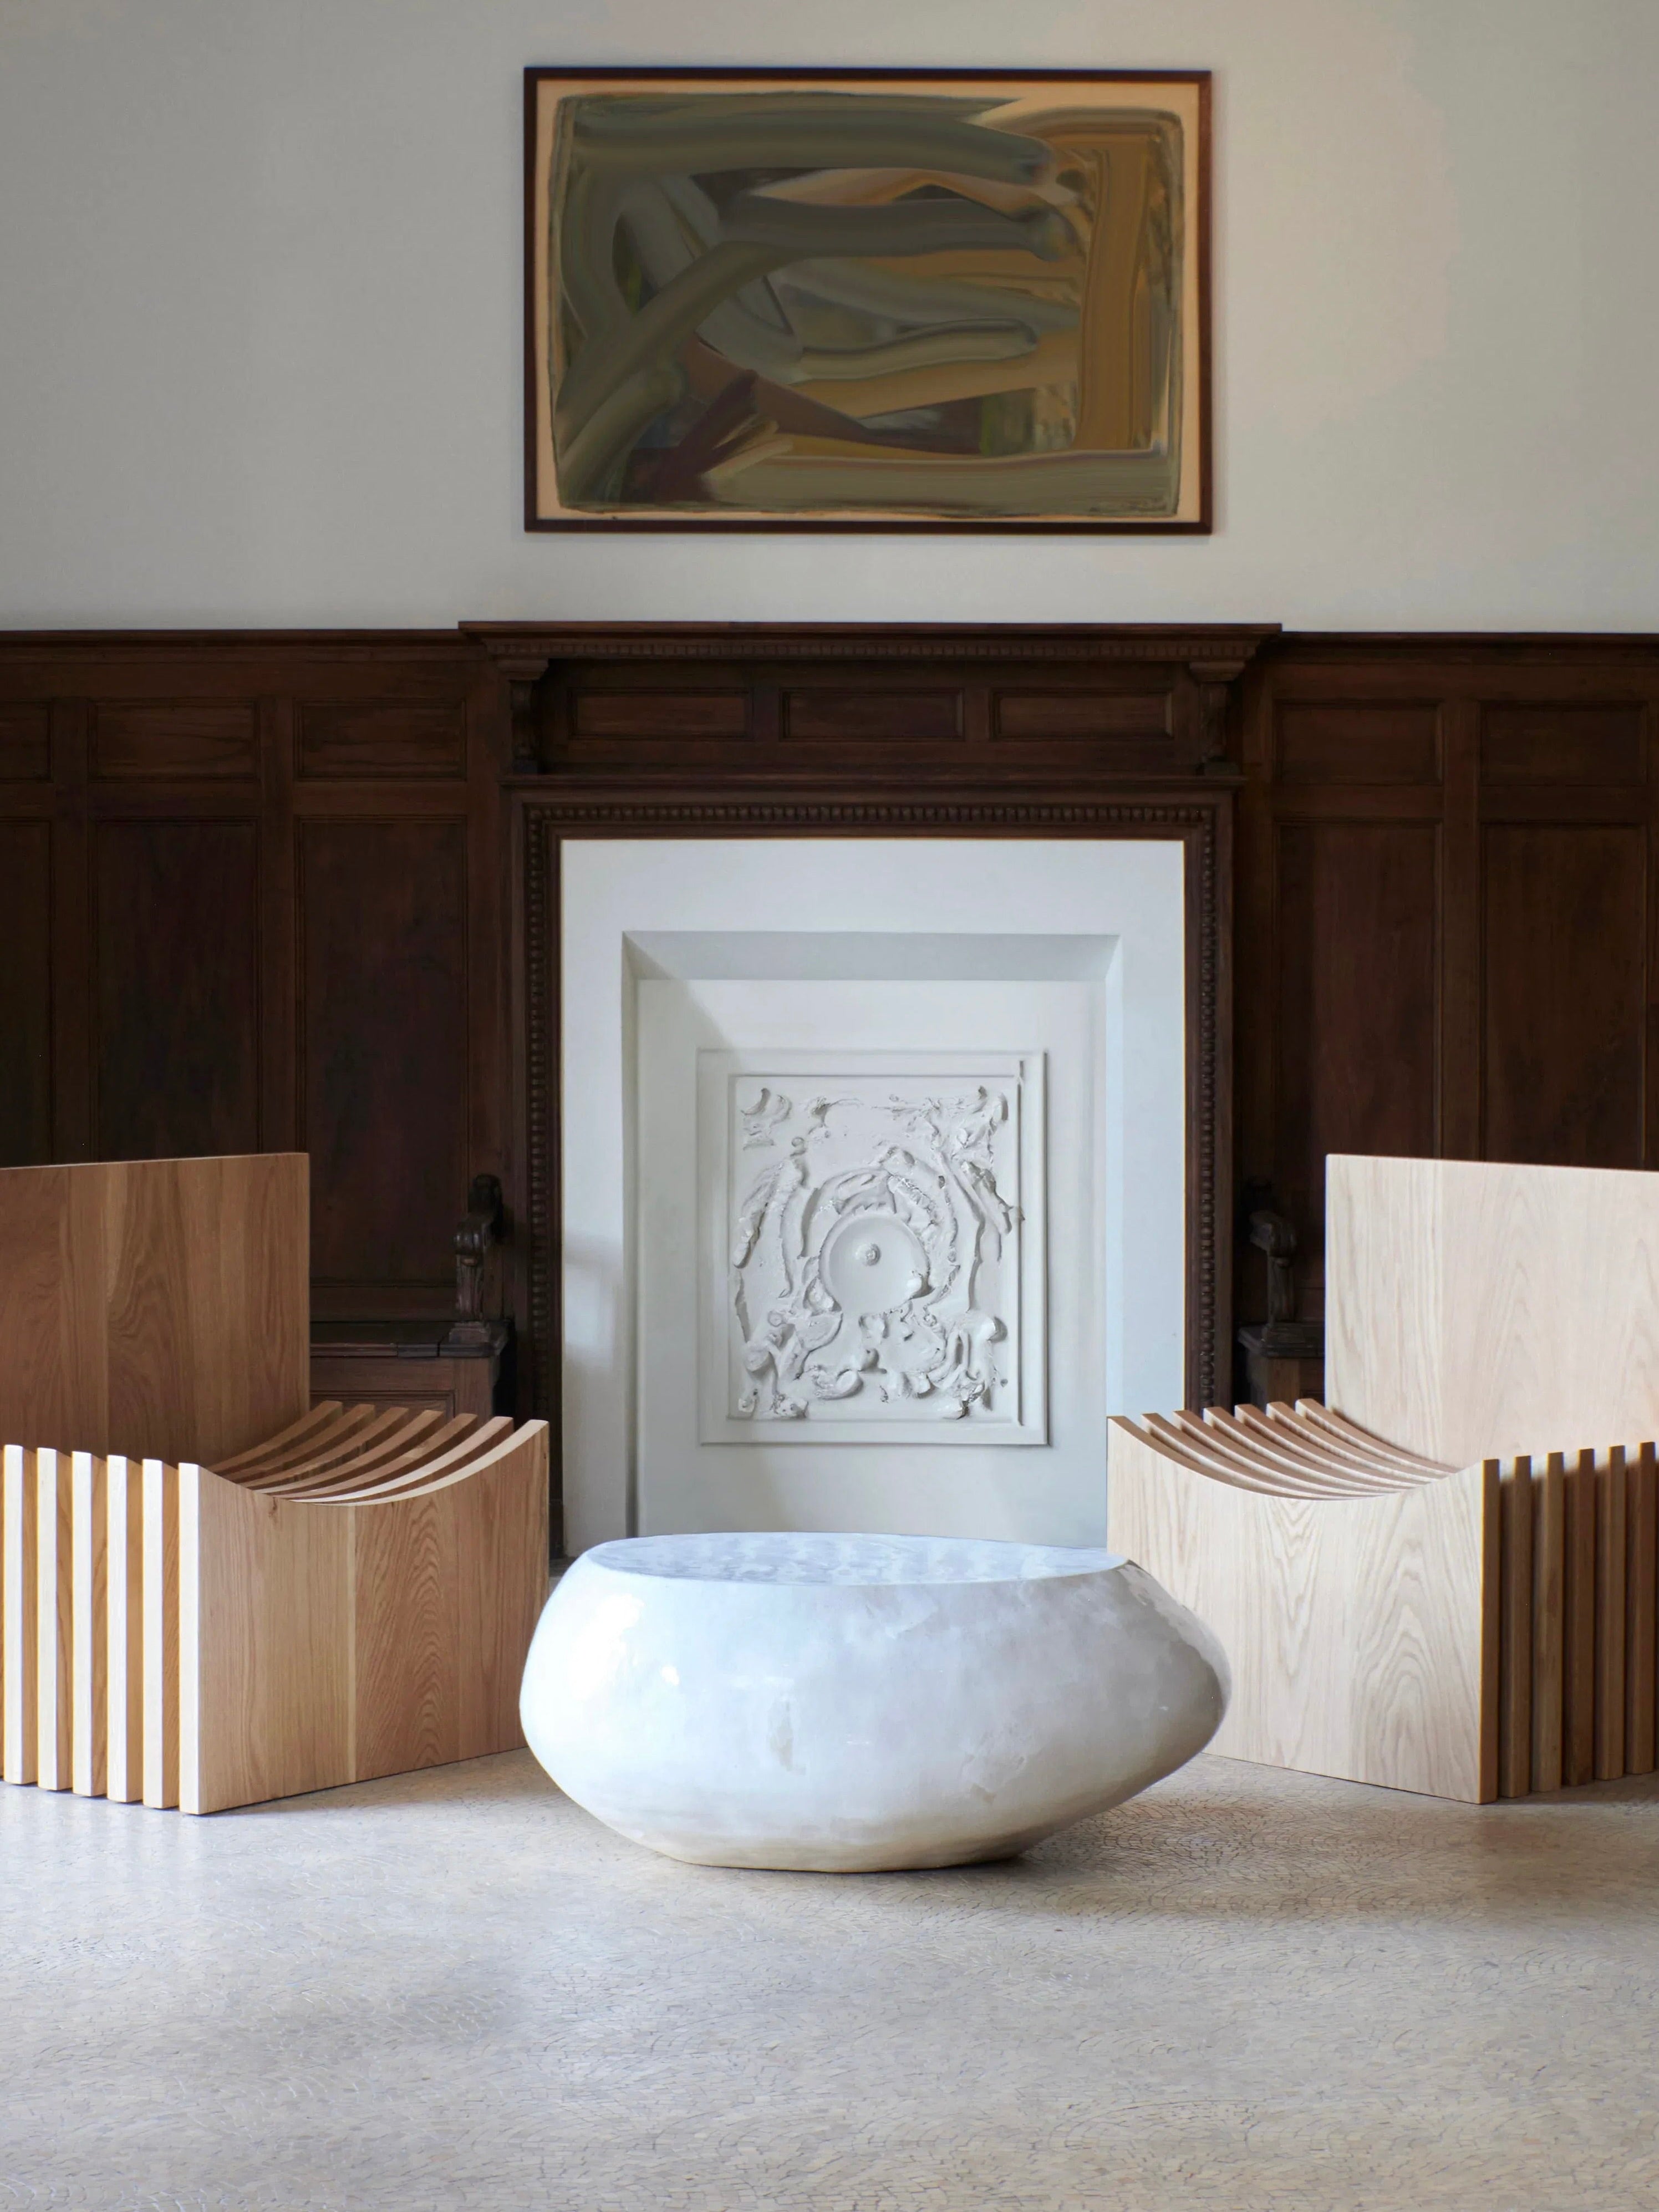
851,1702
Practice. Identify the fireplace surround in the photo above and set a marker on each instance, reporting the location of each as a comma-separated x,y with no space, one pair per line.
705,731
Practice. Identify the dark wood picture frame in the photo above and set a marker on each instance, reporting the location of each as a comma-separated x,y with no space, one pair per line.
1197,417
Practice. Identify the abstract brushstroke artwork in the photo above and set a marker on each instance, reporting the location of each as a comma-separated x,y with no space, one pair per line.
885,299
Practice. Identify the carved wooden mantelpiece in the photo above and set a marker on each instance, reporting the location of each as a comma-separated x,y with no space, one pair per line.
907,730
896,702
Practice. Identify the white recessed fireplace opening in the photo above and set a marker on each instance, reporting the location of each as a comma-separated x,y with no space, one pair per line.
873,1180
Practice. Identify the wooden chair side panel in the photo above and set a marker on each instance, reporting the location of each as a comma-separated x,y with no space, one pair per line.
1419,1580
503,1589
266,1650
406,1680
1355,1627
450,1583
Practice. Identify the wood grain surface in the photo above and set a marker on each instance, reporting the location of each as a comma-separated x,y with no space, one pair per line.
1549,1549
1475,1308
19,1633
1579,1686
1354,1623
161,1664
1489,1632
54,1617
124,1647
89,1629
1610,1594
157,1308
1641,1606
1514,1685
327,1639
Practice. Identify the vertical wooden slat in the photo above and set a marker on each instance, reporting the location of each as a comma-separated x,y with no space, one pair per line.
23,1597
124,1653
1491,1588
161,1512
1548,1599
1515,1631
1641,1611
89,1631
1611,1502
1579,1747
54,1561
192,1797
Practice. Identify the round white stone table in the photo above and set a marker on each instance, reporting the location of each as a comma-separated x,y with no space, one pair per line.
851,1703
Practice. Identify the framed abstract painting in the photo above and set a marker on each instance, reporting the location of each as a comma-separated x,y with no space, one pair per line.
871,300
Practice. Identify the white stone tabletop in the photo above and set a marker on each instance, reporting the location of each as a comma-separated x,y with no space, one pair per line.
857,1560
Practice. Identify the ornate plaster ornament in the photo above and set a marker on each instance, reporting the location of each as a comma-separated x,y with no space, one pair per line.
873,1262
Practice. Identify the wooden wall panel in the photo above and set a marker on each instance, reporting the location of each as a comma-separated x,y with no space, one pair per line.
848,713
1356,1012
25,744
161,793
173,740
1524,741
1564,993
26,993
1356,741
176,1022
354,738
1448,918
256,879
383,985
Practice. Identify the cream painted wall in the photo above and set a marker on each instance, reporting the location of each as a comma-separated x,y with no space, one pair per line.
259,315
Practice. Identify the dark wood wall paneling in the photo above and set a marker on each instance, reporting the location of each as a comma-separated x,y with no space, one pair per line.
1447,909
255,902
256,896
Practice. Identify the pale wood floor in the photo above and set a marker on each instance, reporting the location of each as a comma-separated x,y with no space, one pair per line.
453,1990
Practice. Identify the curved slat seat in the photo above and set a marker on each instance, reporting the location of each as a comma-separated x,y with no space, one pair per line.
1235,1444
470,1452
430,1440
380,1435
284,1455
297,1434
206,1639
1470,1631
1300,1447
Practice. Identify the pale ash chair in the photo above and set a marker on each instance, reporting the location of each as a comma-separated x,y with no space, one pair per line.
1437,1582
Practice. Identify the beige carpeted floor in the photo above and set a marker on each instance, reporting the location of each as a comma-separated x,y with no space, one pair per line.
1245,1990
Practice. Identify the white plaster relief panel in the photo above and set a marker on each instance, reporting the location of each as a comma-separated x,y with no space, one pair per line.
873,1248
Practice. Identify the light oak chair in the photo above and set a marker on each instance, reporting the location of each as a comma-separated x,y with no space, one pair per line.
354,1596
